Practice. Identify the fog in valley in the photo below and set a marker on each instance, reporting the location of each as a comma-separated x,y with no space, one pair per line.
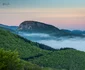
54,42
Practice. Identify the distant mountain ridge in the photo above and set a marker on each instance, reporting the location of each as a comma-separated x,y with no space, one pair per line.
11,28
39,27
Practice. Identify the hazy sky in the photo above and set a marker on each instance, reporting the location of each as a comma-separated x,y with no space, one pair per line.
68,14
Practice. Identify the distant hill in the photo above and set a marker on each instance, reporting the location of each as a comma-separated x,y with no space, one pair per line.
10,28
39,27
78,32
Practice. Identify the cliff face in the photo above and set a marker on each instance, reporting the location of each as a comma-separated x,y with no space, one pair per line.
39,27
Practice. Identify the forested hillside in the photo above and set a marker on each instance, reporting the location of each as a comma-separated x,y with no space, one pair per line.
68,59
32,57
13,49
9,60
26,48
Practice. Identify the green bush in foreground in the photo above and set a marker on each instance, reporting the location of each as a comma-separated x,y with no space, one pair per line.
9,60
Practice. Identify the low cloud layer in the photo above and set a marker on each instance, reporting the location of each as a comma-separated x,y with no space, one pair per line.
76,43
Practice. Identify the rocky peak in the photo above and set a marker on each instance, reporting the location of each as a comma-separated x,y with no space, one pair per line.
36,26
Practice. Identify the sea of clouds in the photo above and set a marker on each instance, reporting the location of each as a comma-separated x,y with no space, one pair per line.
54,42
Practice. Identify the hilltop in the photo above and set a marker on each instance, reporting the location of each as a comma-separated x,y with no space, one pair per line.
40,27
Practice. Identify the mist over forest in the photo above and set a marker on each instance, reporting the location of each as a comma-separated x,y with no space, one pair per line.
55,42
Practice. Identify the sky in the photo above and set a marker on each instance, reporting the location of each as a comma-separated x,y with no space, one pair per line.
64,14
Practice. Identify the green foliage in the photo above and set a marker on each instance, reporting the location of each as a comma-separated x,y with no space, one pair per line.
64,59
9,60
30,66
10,41
47,68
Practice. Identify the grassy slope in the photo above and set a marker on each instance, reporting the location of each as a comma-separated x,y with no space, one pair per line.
25,48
